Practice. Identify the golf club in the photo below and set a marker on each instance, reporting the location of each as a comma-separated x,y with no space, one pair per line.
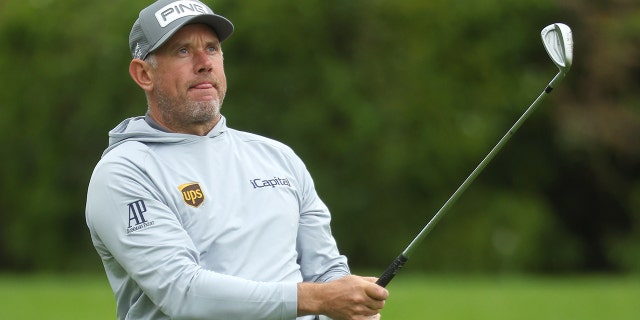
558,42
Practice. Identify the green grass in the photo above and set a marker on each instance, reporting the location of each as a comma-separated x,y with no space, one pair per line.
469,298
413,297
56,298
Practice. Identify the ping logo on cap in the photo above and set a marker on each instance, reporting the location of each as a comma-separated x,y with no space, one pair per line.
192,194
180,9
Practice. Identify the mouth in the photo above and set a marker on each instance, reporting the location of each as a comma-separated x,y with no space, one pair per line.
204,91
203,85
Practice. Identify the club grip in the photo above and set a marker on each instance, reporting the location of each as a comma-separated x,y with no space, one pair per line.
391,271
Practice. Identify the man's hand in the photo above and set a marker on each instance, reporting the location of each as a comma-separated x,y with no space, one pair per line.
348,298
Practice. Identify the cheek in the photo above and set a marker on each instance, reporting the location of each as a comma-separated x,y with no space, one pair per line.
171,80
222,80
219,73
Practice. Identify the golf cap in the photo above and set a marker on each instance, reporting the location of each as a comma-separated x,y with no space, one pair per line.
159,21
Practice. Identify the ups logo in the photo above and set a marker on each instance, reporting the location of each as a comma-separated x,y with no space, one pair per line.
192,194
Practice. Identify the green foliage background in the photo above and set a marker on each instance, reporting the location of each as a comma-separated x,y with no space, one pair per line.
390,103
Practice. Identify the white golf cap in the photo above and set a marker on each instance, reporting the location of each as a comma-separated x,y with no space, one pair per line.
159,21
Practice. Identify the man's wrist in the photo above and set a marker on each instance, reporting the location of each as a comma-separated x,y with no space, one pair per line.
308,301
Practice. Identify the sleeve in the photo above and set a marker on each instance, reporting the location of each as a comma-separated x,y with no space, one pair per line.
147,245
319,257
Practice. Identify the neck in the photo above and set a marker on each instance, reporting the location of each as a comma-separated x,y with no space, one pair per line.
199,128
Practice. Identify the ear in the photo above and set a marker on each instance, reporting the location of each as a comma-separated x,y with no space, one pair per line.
141,72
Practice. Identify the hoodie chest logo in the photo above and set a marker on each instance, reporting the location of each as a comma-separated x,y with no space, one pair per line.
192,194
263,183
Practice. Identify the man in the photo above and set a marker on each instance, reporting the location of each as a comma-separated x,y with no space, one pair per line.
194,220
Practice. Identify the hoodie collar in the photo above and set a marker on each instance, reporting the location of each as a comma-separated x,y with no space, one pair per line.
146,130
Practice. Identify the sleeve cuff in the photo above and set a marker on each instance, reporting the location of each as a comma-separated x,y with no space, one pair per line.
290,299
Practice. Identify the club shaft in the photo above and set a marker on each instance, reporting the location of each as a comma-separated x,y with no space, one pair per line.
399,262
474,174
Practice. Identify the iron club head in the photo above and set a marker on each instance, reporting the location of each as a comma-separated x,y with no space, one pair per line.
558,41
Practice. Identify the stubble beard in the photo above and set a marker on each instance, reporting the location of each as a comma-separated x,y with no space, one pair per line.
181,115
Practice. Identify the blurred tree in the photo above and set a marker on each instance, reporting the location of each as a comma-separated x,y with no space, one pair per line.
64,85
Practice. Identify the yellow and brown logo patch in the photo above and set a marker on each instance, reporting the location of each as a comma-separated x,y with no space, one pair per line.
192,194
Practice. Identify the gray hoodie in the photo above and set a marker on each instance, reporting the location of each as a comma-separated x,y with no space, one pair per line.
221,226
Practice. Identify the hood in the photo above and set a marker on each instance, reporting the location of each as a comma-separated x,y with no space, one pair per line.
137,129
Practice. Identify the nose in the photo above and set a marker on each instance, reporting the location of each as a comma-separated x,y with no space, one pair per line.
202,62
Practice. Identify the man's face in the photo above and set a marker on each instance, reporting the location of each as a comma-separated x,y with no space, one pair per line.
189,83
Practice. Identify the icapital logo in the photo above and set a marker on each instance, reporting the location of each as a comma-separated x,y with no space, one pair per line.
262,183
192,194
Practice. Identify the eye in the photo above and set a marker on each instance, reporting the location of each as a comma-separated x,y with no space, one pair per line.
182,51
212,49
